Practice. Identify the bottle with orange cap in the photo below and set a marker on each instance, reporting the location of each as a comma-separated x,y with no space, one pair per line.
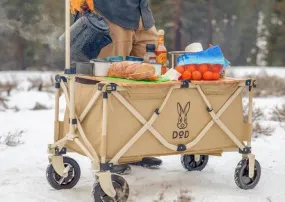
161,52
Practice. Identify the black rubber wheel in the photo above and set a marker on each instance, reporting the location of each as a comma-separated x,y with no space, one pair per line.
57,182
241,175
189,163
122,191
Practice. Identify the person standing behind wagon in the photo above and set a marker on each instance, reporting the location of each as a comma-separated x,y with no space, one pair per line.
132,27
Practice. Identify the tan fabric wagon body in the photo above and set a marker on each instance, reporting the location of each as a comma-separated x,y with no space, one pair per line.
182,119
121,122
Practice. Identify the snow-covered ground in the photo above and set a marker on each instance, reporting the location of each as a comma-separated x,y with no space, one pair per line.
271,71
22,168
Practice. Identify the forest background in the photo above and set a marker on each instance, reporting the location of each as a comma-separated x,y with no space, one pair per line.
250,32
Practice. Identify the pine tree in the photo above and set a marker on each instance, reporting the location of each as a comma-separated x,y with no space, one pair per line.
231,24
34,27
22,16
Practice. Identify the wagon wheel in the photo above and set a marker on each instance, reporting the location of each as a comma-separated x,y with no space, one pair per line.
241,175
189,163
120,185
58,182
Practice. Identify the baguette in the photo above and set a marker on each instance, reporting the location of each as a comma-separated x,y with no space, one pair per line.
132,70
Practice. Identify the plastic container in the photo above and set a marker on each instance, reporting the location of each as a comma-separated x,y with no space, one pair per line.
89,34
101,67
115,58
157,67
134,59
85,68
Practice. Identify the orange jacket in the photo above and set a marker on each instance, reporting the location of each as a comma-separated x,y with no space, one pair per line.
75,5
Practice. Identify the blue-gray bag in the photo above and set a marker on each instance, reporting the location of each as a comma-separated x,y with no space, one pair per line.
89,35
213,55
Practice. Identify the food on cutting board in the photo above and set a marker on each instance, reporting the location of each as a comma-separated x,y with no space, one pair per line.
133,71
199,72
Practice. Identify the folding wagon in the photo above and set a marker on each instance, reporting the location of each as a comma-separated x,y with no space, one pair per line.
115,122
122,122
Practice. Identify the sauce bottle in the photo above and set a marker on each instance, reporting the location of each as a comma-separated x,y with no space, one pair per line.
150,56
161,51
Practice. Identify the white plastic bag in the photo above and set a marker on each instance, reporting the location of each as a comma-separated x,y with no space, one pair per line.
172,75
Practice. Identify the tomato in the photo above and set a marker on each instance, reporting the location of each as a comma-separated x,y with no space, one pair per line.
191,68
207,75
196,76
203,68
216,68
180,69
186,75
215,76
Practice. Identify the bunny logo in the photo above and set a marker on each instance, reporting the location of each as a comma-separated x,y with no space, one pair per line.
182,119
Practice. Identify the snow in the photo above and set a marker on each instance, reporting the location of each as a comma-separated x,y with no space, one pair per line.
23,77
29,99
22,168
271,71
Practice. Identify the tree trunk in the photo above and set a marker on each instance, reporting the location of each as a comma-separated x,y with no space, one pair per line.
178,26
210,18
19,54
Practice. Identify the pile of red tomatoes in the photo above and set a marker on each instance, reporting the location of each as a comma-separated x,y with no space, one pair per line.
199,72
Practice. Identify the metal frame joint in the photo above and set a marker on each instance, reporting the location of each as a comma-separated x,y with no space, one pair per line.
73,121
248,82
59,78
109,87
181,147
157,111
254,84
100,86
105,95
57,85
246,150
185,84
60,152
106,166
70,71
209,109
